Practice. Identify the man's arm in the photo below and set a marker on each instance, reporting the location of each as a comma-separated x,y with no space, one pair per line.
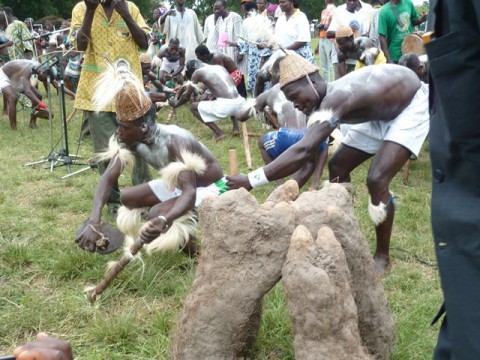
28,89
184,97
138,34
86,239
173,208
384,47
287,163
83,35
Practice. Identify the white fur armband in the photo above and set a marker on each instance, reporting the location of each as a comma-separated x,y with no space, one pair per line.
125,156
319,116
257,178
188,162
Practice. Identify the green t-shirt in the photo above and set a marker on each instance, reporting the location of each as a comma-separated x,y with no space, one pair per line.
394,30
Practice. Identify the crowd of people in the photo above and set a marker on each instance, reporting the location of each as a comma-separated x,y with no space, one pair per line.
363,84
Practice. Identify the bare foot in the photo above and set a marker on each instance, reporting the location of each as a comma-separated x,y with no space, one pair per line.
219,137
382,265
236,133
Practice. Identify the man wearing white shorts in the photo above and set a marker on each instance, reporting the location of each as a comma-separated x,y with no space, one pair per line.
221,92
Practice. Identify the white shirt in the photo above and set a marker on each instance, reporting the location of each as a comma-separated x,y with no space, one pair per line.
296,28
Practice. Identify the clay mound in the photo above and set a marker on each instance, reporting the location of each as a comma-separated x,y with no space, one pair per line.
332,207
320,302
243,251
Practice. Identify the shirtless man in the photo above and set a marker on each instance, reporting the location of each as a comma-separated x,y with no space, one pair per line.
173,61
218,82
390,94
290,125
15,78
189,170
218,58
361,49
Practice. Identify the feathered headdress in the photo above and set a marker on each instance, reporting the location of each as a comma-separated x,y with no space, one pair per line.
119,84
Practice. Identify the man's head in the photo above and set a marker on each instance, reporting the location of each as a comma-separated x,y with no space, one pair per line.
262,5
3,20
250,6
180,3
412,61
297,79
145,63
202,53
191,66
352,5
220,8
173,46
49,26
344,38
133,132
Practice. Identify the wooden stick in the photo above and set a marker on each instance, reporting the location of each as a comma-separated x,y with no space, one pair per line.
114,271
232,159
246,145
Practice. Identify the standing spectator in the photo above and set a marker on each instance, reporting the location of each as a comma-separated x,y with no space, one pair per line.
182,23
292,30
16,31
249,47
156,37
262,7
5,43
324,44
222,29
373,32
455,153
120,41
395,21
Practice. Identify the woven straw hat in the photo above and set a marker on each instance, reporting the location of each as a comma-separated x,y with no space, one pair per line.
294,67
131,103
343,31
145,58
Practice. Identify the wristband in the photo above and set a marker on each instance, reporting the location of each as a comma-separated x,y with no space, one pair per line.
42,105
161,217
257,178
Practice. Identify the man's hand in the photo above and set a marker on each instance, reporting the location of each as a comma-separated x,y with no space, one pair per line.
173,103
238,181
88,237
44,348
152,229
121,7
92,4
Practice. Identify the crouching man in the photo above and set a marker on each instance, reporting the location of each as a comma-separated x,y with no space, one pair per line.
188,171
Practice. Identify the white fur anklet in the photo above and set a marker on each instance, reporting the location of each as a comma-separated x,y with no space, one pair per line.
378,213
257,178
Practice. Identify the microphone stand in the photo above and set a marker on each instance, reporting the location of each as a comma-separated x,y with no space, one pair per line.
64,157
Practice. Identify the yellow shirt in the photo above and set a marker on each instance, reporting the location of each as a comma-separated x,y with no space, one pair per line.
110,41
380,59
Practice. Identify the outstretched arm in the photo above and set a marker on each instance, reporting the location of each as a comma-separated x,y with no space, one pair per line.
287,163
86,239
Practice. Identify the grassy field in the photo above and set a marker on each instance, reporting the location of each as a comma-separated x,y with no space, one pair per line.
43,272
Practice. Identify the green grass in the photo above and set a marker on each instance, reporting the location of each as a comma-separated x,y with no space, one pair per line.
43,273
